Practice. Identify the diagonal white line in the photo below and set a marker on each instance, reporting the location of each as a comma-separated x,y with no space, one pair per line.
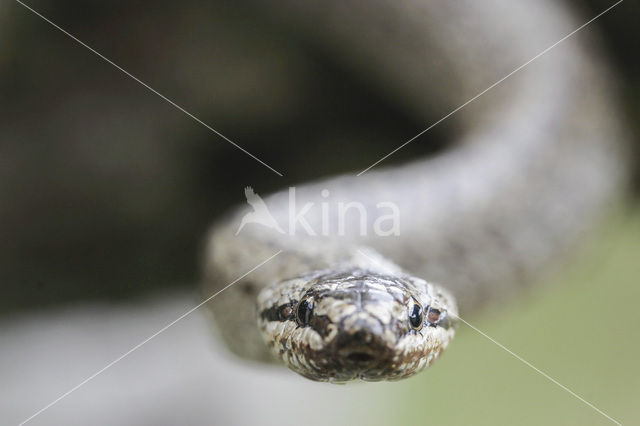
518,357
528,364
150,88
490,87
136,347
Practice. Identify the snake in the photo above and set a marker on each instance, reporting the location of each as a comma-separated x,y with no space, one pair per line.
533,165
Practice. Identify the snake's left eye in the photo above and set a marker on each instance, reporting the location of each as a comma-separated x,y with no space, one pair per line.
416,316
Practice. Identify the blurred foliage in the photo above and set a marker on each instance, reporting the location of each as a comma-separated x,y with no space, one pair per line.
106,191
581,330
619,34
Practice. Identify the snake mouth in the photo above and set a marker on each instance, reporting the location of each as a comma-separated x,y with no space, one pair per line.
360,358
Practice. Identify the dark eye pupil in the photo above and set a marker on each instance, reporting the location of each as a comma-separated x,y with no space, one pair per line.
305,309
415,317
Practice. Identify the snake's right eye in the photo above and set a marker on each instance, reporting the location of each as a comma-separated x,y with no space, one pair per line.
304,311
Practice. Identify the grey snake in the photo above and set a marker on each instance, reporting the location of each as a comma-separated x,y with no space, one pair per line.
535,163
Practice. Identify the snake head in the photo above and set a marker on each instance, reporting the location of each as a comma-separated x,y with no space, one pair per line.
356,324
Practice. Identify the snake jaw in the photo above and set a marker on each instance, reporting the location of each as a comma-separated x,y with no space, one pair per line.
359,327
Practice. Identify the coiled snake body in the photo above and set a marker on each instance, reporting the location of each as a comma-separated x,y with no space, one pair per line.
537,159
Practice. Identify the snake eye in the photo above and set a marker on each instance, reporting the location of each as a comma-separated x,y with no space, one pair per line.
304,311
416,316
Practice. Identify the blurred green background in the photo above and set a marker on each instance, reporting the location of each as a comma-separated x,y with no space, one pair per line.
581,329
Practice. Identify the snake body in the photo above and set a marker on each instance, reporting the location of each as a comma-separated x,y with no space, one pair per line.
536,161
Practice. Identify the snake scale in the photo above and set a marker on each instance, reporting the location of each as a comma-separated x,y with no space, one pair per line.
535,162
